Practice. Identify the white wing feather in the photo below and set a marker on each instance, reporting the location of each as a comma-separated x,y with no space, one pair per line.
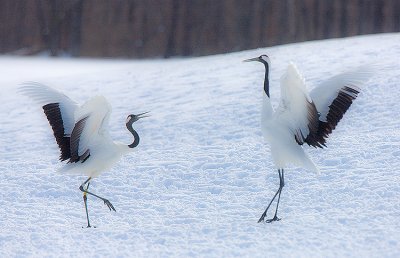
324,94
98,112
44,95
295,108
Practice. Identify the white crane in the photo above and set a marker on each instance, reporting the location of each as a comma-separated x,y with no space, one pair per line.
304,117
81,133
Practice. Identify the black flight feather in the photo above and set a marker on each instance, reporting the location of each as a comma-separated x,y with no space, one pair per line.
74,143
312,118
53,114
337,109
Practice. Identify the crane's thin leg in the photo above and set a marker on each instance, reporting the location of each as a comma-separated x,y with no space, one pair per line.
281,185
273,198
85,201
107,202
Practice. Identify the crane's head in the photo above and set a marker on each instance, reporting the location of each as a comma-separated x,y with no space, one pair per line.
133,118
263,59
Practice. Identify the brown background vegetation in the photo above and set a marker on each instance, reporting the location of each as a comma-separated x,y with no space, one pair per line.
164,28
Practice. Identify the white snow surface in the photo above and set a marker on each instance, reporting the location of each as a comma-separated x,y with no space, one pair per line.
202,174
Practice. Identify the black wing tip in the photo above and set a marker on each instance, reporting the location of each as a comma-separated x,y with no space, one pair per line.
53,114
313,122
337,109
74,142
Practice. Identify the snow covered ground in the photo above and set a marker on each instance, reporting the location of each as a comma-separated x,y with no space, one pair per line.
202,175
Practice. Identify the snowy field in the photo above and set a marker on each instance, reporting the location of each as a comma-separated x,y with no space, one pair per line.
202,174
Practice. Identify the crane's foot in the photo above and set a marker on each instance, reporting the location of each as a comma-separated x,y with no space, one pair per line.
89,226
273,219
109,205
262,217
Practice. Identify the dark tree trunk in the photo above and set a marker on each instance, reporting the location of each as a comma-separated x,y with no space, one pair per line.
165,28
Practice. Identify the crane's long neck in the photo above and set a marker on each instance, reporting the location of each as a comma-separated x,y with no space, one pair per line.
135,135
267,110
266,79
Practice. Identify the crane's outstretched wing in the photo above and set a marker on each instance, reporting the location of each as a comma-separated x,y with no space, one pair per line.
59,110
296,109
333,98
91,123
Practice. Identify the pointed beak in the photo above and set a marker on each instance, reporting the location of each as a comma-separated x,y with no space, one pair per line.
252,59
143,115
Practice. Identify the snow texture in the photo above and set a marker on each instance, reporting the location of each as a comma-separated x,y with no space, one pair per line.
202,174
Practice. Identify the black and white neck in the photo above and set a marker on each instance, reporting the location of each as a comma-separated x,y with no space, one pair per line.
135,135
129,121
265,60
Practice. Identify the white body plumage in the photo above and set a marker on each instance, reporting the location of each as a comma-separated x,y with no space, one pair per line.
105,153
278,127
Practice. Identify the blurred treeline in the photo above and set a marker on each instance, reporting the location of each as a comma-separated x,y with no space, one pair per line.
164,28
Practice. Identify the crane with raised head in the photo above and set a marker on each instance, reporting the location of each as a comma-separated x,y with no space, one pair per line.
303,117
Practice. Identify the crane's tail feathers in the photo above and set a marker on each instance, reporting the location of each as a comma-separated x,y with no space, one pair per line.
309,165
